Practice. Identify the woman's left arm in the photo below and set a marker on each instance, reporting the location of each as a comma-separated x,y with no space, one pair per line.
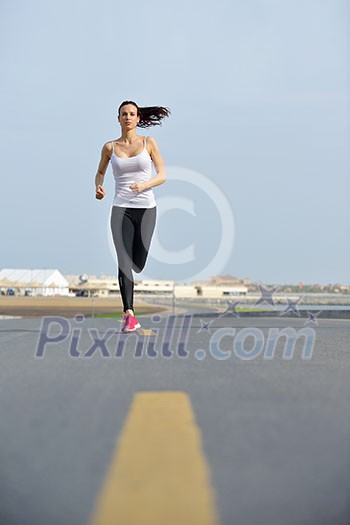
158,162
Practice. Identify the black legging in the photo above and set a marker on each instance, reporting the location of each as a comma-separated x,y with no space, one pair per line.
132,230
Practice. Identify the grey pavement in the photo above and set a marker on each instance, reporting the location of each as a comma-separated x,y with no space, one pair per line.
276,432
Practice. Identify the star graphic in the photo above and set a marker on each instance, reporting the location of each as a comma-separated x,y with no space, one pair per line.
231,308
312,317
292,307
205,326
266,295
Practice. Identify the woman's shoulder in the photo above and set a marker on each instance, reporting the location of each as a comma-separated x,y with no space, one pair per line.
150,140
108,146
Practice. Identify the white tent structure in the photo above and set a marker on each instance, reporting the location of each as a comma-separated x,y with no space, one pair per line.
43,282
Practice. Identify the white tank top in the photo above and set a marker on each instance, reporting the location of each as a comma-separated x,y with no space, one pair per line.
127,170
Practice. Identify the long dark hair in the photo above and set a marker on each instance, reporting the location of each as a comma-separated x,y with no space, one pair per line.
149,115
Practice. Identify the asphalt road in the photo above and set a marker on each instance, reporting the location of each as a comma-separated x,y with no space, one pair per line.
275,430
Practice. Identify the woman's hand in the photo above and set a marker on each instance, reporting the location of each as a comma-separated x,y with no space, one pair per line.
137,187
100,192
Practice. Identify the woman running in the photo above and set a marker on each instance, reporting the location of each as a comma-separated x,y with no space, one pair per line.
134,209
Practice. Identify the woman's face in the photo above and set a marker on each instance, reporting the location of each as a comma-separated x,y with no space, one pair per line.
128,118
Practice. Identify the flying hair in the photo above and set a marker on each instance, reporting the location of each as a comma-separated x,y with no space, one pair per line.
149,115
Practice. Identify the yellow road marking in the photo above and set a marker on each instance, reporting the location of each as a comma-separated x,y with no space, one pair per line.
158,474
146,331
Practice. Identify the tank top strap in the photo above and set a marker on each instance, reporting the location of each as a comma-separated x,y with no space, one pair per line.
144,142
112,148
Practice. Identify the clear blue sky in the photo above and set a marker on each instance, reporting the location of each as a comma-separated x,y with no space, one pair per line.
259,94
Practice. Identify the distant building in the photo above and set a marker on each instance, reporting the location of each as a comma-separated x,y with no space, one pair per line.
154,286
109,286
93,286
219,280
37,282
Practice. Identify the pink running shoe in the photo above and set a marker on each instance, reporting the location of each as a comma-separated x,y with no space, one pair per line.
130,323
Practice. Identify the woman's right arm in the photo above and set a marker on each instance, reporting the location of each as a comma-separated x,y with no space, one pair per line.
101,170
